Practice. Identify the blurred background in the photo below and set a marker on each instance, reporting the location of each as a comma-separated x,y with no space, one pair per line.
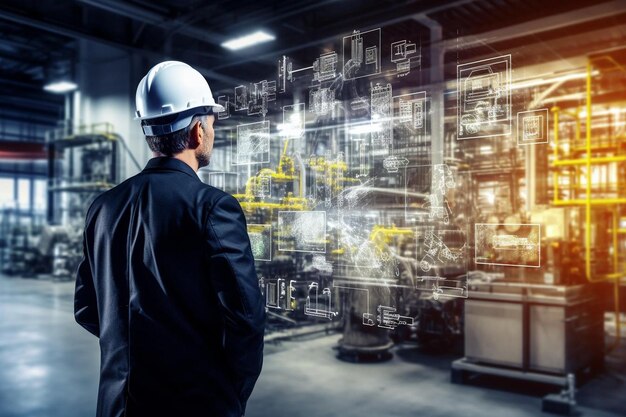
435,194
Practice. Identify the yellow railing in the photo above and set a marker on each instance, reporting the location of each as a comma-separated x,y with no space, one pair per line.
588,202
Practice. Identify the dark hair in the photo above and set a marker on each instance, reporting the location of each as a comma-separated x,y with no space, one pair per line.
173,143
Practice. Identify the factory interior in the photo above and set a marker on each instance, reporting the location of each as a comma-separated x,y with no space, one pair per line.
435,194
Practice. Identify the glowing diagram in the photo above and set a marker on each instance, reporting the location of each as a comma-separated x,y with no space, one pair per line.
387,318
484,98
442,180
319,304
241,98
381,115
279,294
321,101
253,143
393,163
508,244
325,67
363,50
532,127
402,53
301,205
302,231
260,94
293,121
261,241
437,252
224,101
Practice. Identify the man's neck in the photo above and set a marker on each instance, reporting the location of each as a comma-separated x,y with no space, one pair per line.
187,156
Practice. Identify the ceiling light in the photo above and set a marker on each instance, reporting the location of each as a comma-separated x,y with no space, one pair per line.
60,87
248,40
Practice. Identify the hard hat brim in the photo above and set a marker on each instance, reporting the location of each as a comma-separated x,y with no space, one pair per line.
181,121
217,108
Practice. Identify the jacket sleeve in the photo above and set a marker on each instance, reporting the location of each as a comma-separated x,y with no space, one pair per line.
234,278
85,304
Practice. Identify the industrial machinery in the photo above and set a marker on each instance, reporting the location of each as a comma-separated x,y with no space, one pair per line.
82,163
543,320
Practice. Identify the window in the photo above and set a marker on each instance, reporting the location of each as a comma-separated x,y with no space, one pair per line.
7,198
40,195
23,194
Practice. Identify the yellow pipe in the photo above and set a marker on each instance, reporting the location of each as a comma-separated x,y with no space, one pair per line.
588,193
583,161
555,174
617,280
594,202
577,130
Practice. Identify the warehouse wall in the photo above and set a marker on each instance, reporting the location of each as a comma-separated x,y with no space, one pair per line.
107,81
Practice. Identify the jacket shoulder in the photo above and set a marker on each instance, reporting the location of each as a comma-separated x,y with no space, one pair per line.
210,195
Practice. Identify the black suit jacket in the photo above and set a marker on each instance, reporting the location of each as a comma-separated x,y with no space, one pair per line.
168,284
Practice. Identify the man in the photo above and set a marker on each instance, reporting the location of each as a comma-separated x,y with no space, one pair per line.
168,281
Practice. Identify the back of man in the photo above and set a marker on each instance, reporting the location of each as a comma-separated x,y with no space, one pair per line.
168,285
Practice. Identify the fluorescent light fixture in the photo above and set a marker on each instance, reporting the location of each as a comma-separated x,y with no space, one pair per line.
248,40
60,87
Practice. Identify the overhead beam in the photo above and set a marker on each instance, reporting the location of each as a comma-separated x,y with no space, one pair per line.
402,17
143,15
534,27
59,29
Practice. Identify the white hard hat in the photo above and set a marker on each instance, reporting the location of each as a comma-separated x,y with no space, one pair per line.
172,88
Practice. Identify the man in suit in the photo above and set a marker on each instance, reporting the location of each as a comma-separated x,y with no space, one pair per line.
167,281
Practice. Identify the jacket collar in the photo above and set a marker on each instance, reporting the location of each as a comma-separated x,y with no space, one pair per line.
166,163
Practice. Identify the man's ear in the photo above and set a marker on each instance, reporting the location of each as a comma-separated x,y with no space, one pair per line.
196,136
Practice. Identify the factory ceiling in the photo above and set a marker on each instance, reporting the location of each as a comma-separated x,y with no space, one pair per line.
40,38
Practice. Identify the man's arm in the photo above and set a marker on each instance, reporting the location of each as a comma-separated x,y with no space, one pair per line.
234,278
85,304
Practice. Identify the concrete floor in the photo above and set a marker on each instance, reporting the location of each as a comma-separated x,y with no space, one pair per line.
49,368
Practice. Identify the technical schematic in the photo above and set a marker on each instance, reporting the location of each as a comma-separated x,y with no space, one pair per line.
437,252
321,101
260,94
402,54
381,115
261,241
224,101
319,304
484,98
361,203
362,50
261,186
302,231
532,127
279,293
294,120
442,180
508,244
368,317
241,98
325,67
394,163
285,67
410,120
387,318
253,143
